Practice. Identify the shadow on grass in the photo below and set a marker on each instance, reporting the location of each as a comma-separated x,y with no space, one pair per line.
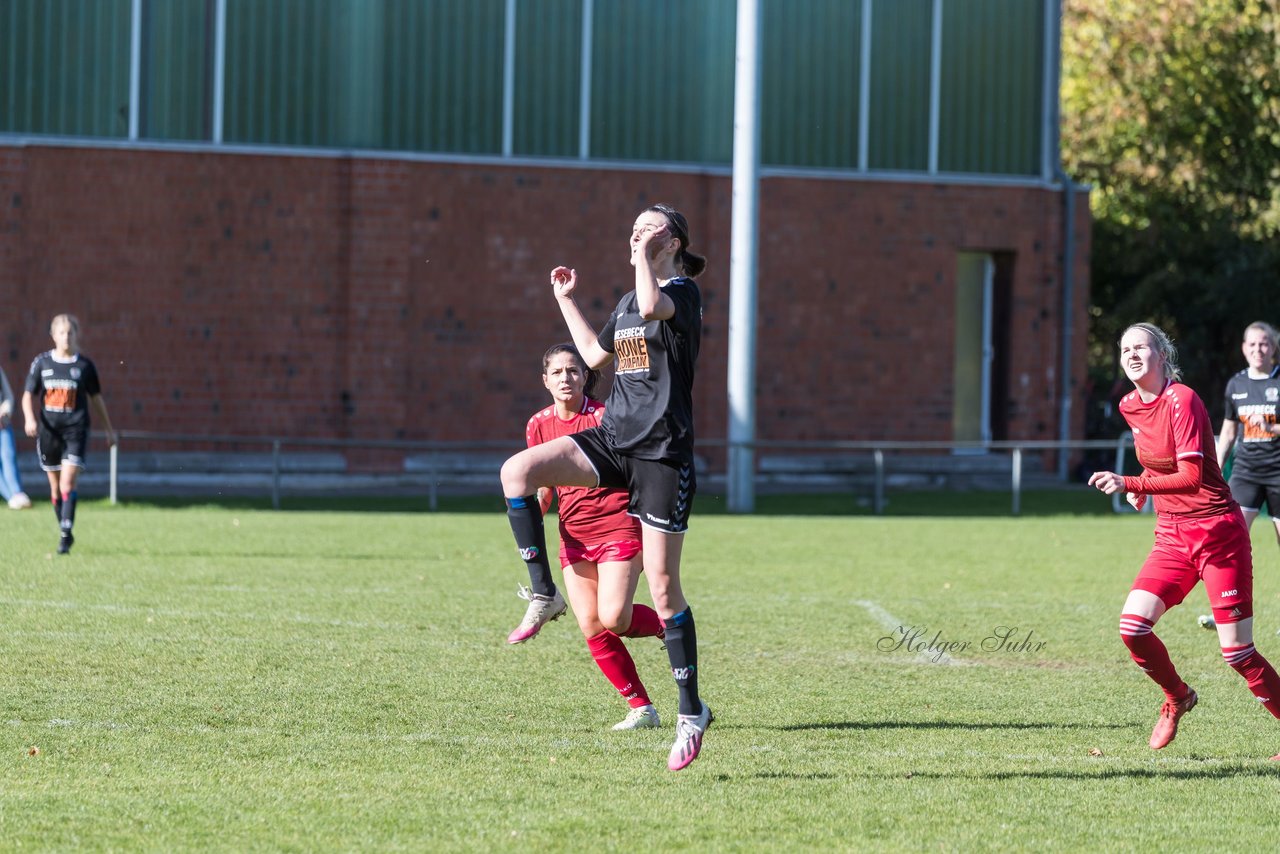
1067,501
776,775
1232,771
259,555
324,504
872,725
1215,772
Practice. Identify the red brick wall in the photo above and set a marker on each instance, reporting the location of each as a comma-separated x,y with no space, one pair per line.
309,296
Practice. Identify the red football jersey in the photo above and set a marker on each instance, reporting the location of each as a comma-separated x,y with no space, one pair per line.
588,516
1173,427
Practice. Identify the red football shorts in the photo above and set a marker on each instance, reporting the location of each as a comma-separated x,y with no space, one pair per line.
616,551
1216,549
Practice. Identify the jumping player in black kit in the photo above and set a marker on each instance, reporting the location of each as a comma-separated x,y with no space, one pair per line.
645,442
66,383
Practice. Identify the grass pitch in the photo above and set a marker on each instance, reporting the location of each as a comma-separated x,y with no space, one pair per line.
232,678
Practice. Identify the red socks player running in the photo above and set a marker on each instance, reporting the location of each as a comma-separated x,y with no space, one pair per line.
616,663
1258,672
1149,653
645,623
618,667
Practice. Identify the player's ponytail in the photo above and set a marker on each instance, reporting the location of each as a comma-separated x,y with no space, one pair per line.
691,263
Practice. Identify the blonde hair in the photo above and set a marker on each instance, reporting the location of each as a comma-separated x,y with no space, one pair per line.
73,326
1270,331
1164,346
70,319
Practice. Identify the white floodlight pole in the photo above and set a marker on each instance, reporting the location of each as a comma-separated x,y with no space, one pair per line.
742,259
219,69
135,70
509,81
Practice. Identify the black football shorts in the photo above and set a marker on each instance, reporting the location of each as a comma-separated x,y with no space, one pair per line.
661,490
1249,493
56,447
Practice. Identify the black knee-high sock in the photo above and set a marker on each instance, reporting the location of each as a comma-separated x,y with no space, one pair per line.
67,514
682,652
57,510
525,516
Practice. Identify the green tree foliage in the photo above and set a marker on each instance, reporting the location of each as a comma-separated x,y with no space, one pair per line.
1171,111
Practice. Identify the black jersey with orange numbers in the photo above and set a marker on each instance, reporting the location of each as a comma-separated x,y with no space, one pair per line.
649,414
61,389
1257,448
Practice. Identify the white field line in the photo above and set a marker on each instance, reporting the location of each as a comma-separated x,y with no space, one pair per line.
921,647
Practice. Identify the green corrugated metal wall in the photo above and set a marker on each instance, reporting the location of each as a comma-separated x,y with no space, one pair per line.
548,78
443,75
282,68
657,95
899,111
64,67
177,62
810,82
992,65
427,75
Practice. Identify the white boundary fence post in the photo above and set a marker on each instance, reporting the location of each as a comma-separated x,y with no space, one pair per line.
877,501
1016,465
275,475
115,470
433,474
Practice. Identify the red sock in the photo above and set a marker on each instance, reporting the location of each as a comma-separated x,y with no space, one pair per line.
645,623
617,666
1148,652
1263,680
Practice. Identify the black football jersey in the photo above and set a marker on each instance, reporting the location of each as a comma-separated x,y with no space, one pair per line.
61,389
1257,450
649,414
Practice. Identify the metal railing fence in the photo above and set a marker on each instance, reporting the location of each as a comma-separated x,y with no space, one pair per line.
436,452
1016,448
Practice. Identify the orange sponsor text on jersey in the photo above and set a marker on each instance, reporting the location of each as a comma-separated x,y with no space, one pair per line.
632,352
1253,433
58,398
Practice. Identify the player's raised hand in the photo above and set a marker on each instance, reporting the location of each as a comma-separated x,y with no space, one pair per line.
653,241
563,281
